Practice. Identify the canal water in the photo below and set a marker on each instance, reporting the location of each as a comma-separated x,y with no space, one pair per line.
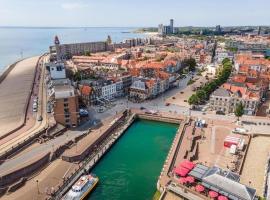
129,171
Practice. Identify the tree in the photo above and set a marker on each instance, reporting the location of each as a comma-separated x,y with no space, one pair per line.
190,63
225,60
239,110
201,94
87,53
193,100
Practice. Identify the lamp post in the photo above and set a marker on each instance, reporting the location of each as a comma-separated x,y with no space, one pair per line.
37,187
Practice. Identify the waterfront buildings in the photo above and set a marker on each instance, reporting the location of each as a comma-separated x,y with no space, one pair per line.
66,51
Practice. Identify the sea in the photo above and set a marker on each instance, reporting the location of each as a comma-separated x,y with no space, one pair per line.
21,42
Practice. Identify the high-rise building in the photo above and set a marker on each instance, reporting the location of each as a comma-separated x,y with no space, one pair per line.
165,30
171,26
218,29
259,30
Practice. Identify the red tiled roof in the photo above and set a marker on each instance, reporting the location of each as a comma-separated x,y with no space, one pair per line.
86,90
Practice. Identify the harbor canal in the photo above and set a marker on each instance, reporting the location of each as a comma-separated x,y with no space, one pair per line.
129,171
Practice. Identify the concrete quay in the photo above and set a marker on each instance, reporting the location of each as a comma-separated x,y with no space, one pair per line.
16,88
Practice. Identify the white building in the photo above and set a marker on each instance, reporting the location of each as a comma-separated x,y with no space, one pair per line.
108,91
57,70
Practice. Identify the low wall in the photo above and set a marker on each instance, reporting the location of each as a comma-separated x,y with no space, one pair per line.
25,171
6,71
159,118
21,145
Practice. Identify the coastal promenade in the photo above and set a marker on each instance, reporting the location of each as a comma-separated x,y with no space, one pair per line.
14,95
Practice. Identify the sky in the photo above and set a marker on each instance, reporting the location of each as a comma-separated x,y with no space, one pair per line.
133,13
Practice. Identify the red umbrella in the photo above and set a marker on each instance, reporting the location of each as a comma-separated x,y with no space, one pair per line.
190,179
222,198
182,180
199,188
213,194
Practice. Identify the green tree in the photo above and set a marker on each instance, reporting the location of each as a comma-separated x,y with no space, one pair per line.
201,94
239,110
193,100
190,63
225,60
87,53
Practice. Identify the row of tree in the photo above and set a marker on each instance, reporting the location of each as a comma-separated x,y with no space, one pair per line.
203,94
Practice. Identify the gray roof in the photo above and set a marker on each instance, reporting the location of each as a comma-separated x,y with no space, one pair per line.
226,183
221,92
223,182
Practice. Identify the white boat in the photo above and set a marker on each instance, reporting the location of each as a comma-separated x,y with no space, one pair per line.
82,188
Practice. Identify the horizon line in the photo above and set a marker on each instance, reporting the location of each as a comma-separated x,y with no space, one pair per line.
78,27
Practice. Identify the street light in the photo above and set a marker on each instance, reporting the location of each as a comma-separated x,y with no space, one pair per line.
37,187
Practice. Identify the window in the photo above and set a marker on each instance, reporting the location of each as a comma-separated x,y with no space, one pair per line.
67,121
66,110
65,99
65,104
58,68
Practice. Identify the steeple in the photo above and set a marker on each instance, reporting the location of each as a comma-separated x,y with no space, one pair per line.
56,40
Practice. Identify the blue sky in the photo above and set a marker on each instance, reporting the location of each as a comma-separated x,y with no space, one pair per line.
133,13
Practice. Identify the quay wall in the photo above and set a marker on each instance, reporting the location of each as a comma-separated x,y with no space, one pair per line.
164,177
159,118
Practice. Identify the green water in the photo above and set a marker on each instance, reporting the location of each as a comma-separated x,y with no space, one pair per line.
129,171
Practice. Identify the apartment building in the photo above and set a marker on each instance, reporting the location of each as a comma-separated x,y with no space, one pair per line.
66,106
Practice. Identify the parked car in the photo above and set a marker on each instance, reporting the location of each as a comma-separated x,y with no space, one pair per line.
34,109
49,108
40,118
167,104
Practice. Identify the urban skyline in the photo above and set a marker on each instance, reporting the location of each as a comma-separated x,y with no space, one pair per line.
84,13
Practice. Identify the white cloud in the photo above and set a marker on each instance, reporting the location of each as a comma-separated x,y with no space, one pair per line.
73,6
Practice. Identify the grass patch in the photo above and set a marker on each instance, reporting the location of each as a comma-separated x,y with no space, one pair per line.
156,195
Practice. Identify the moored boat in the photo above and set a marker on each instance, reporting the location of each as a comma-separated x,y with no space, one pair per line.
82,187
